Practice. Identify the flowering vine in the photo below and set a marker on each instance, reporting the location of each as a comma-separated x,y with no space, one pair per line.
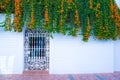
91,4
97,18
17,16
32,23
87,33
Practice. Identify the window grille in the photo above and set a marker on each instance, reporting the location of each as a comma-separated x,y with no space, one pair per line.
36,48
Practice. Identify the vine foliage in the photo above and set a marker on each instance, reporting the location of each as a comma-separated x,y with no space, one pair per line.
99,18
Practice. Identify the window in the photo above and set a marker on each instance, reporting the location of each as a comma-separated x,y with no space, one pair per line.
36,44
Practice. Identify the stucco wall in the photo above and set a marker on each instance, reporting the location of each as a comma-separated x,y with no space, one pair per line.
67,54
11,53
117,49
117,55
71,55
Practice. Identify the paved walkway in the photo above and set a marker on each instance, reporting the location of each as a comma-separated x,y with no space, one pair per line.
102,76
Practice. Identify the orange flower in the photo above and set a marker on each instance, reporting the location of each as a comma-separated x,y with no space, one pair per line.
111,6
117,25
61,21
91,6
17,1
61,31
77,22
61,11
88,27
16,20
7,1
69,1
75,35
115,15
86,35
112,16
32,23
77,29
32,17
8,25
99,37
2,7
97,16
101,27
46,15
98,5
17,16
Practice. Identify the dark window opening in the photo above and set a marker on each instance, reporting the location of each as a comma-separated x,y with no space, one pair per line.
37,46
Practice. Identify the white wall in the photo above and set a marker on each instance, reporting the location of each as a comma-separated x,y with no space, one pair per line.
117,55
117,50
71,55
67,54
11,51
118,3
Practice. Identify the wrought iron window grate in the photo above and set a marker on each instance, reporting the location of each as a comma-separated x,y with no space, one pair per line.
36,50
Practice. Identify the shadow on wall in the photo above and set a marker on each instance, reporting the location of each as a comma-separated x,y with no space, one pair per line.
6,64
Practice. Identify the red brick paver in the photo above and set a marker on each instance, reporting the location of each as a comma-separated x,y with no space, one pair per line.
102,76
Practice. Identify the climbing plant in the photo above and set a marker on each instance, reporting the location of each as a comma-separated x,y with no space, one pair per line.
98,18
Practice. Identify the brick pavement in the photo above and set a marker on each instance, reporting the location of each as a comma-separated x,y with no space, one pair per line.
101,76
